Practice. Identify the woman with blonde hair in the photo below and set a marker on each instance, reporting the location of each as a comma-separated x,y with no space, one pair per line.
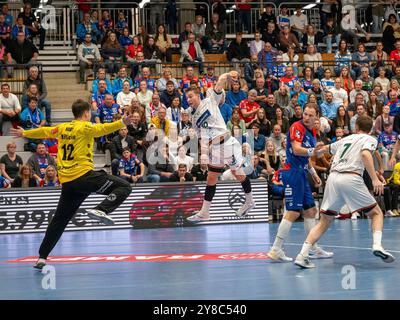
314,60
25,178
394,85
50,178
270,158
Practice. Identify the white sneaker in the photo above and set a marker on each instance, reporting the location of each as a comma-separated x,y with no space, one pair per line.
199,217
319,253
100,215
354,216
40,264
245,208
389,213
383,254
278,255
303,262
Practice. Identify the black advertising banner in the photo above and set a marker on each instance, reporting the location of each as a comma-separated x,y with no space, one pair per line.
149,205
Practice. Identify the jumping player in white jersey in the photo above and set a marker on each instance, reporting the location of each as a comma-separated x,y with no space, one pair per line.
345,185
223,148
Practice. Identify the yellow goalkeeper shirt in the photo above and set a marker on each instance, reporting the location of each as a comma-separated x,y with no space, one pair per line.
75,145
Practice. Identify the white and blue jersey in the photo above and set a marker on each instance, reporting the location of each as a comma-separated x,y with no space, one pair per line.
130,166
106,114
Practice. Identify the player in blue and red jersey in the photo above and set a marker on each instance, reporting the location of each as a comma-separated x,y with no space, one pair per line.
301,145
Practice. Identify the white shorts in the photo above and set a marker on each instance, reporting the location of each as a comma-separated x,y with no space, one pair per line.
228,153
346,189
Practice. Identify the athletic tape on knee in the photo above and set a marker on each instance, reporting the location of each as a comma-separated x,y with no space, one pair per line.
210,192
246,185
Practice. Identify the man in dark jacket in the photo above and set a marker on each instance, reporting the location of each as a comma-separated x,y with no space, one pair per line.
161,167
117,146
181,175
21,51
168,95
238,51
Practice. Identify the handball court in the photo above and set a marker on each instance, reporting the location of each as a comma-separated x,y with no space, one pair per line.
202,262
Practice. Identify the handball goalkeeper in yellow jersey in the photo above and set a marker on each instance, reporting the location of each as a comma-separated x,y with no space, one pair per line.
76,174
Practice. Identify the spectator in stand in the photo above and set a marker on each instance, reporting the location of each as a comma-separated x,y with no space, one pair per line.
9,109
88,56
169,94
286,39
382,80
256,45
209,79
107,110
283,19
259,139
154,105
307,79
215,33
343,59
289,79
83,7
145,76
106,23
347,81
191,52
393,103
374,107
329,108
395,56
243,16
298,22
270,158
181,175
297,114
236,121
331,34
350,29
340,96
392,21
271,35
379,58
290,58
40,161
263,123
117,84
161,167
266,17
275,74
311,37
267,58
249,108
282,96
360,111
125,39
188,78
19,27
161,83
380,95
252,72
174,111
184,125
182,157
316,92
388,40
121,24
98,97
164,43
144,95
342,120
277,137
184,35
142,34
199,30
238,51
281,120
124,97
302,96
32,24
5,30
262,92
50,178
313,59
25,178
152,55
87,27
130,167
94,18
161,122
386,141
358,89
360,59
235,95
383,119
10,163
394,85
367,81
21,51
200,171
112,52
8,17
101,75
327,82
359,99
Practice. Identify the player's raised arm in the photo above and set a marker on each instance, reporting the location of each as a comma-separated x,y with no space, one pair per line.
38,133
102,129
229,77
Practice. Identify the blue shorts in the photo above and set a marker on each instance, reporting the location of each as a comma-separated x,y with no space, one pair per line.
298,193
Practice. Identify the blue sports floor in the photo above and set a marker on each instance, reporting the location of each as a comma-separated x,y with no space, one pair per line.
208,279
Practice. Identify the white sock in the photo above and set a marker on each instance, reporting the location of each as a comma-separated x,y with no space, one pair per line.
249,197
377,236
305,249
309,223
206,207
283,232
